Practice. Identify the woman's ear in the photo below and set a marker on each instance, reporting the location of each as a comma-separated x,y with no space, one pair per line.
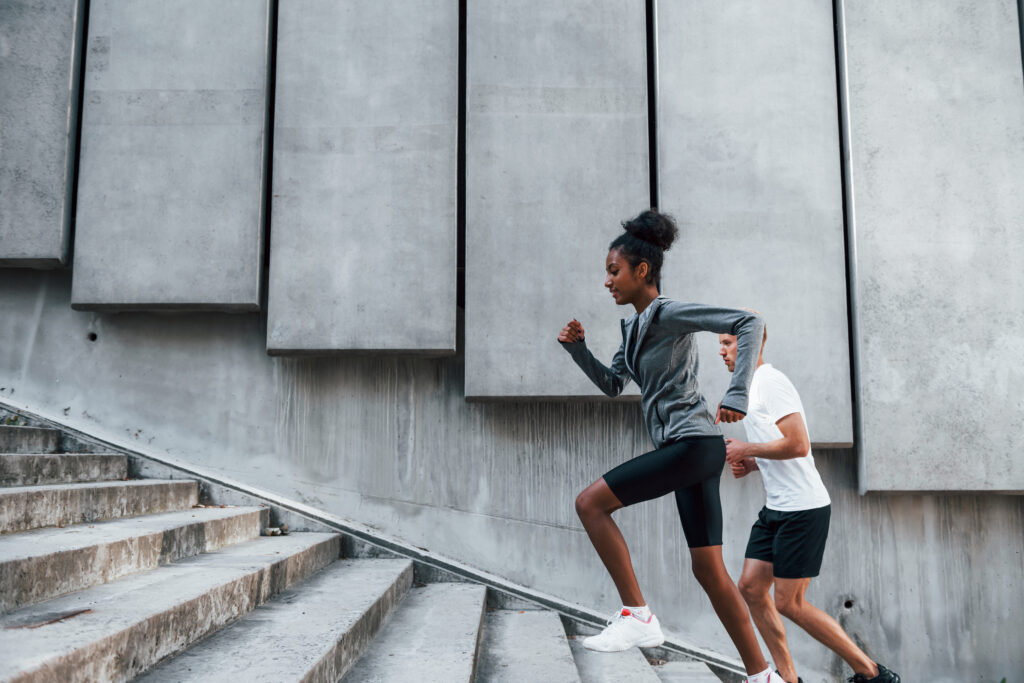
642,270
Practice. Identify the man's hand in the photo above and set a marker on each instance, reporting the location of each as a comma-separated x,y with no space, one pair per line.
571,333
727,415
743,468
737,452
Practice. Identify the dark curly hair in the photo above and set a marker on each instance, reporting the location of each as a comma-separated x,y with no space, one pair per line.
646,239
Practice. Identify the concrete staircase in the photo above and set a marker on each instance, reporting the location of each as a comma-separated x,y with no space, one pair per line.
107,578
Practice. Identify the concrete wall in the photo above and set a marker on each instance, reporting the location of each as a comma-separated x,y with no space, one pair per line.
40,50
556,156
935,104
364,233
170,191
934,580
749,163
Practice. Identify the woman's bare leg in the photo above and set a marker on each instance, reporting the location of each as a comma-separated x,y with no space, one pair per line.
725,597
595,506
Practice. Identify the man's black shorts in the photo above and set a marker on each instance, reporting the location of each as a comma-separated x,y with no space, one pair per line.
794,542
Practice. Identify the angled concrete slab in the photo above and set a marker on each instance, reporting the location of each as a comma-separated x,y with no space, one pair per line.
365,143
525,646
312,632
935,105
750,165
170,191
40,55
556,156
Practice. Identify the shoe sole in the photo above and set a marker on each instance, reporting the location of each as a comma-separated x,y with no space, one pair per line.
650,642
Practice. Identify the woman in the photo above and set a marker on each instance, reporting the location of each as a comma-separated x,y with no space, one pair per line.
659,353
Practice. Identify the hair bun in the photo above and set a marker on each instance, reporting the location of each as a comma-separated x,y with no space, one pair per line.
656,228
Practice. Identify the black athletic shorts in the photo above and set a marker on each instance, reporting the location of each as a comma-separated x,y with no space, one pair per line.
692,469
794,542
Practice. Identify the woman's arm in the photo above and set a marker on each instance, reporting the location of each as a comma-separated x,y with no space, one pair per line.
684,318
609,380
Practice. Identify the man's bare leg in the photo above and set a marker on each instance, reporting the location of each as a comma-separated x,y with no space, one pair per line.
789,600
755,585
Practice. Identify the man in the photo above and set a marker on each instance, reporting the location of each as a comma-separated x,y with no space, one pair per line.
787,541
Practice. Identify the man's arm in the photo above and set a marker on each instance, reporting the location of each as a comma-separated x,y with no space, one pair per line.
793,444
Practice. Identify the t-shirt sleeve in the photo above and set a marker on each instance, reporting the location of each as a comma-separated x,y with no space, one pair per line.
783,399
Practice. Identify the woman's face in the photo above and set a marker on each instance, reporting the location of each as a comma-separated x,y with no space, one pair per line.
622,280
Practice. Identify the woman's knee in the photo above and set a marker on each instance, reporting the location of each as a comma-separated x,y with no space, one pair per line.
588,503
596,499
707,566
583,503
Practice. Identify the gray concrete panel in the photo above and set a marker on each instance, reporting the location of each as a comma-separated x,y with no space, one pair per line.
40,53
392,443
170,191
749,164
556,157
935,106
365,142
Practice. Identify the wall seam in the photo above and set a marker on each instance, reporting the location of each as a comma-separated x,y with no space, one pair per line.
849,231
268,165
1020,30
74,148
460,171
652,99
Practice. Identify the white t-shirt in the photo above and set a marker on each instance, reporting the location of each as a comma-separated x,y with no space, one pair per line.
792,484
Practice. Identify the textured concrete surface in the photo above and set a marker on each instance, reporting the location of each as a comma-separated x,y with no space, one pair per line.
364,242
170,190
34,470
40,51
312,633
27,440
393,443
33,507
133,623
42,564
685,672
936,127
431,638
749,164
556,157
612,667
525,646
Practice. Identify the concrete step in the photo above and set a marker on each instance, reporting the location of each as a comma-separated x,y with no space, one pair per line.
64,468
431,638
28,440
33,507
525,646
611,667
310,633
45,563
685,672
115,631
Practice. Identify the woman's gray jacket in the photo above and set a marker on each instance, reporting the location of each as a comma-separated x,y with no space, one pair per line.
662,359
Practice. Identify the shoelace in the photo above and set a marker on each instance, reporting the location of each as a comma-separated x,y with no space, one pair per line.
617,619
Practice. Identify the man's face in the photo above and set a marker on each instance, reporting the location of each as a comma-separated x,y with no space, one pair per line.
727,350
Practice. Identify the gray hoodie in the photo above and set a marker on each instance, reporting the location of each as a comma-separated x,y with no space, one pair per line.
662,359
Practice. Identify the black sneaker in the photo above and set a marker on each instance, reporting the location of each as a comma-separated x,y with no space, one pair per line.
884,676
798,679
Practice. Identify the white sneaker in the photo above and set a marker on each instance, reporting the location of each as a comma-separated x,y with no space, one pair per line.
624,631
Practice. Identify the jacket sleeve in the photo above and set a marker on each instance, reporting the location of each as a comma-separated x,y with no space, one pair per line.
609,380
684,318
